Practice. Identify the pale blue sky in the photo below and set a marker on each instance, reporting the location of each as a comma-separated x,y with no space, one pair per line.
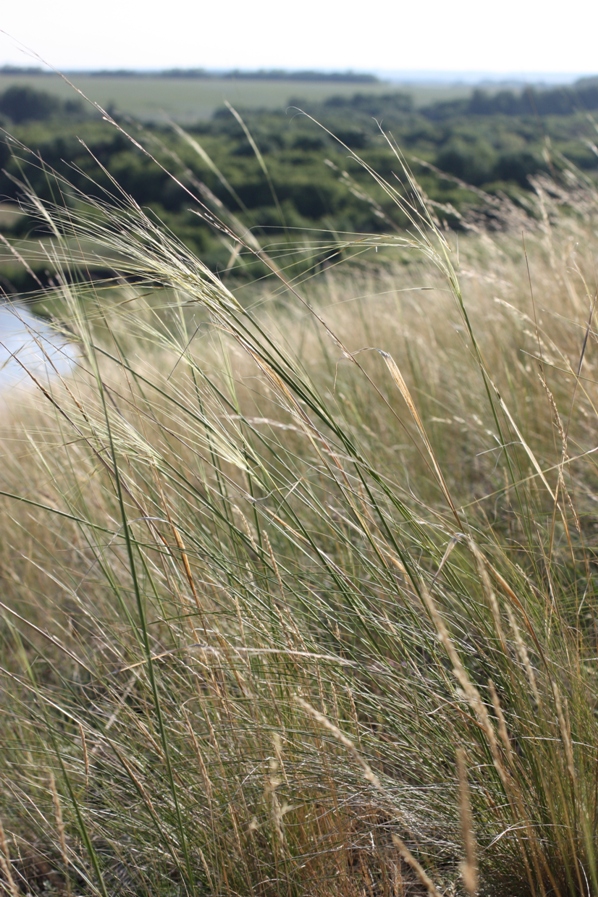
504,36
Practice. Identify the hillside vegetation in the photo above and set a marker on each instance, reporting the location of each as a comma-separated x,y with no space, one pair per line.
290,177
299,575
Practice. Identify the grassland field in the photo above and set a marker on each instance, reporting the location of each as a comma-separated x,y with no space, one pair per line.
187,100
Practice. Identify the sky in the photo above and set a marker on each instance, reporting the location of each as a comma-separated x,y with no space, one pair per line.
386,35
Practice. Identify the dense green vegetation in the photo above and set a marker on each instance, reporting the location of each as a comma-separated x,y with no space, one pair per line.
303,183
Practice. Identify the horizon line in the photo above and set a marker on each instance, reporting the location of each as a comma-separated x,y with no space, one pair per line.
428,75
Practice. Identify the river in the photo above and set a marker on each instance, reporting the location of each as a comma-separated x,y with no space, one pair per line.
28,344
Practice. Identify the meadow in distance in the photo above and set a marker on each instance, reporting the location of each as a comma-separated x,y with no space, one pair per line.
189,97
299,560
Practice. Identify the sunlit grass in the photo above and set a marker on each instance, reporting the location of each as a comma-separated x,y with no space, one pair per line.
299,591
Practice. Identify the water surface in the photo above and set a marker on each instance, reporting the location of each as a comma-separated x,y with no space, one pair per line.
28,344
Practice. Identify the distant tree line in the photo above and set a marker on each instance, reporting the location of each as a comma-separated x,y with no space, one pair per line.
22,70
581,96
247,75
348,77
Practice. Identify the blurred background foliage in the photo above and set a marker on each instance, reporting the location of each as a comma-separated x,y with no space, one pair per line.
305,182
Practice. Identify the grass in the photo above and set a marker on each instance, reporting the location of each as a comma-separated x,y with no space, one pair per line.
299,589
188,100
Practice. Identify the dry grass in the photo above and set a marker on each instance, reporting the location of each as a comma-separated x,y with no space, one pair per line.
299,595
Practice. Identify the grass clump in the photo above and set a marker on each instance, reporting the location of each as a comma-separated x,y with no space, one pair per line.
299,590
